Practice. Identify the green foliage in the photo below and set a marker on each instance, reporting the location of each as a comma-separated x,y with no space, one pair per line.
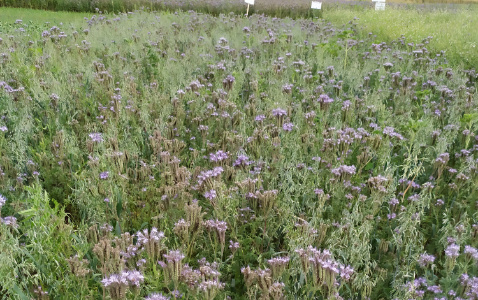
457,38
35,254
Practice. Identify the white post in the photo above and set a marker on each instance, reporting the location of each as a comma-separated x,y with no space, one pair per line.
249,2
379,4
316,5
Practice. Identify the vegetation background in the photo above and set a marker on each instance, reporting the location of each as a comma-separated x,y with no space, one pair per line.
350,131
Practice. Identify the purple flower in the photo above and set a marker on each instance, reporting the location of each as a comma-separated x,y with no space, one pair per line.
104,175
452,251
174,256
288,126
346,105
219,226
207,285
426,259
450,240
287,88
145,237
325,99
10,221
210,195
233,246
3,128
205,176
218,156
472,252
135,277
393,201
346,272
435,289
443,158
156,296
242,160
279,112
344,170
124,278
96,137
390,131
260,118
141,262
388,65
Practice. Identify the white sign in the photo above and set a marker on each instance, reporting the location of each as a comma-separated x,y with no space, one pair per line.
378,0
316,5
251,2
379,5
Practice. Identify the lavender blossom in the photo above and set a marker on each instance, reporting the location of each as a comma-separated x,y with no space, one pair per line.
10,221
324,100
288,126
425,260
452,251
344,171
279,112
260,118
210,195
156,296
390,131
96,137
471,252
242,160
218,156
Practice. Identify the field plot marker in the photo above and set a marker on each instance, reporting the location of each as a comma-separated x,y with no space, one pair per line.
379,4
249,2
316,5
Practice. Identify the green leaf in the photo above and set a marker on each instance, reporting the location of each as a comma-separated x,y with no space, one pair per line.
469,118
119,204
28,212
118,229
19,292
369,166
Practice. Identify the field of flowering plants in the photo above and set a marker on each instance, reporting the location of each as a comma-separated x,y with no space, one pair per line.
190,156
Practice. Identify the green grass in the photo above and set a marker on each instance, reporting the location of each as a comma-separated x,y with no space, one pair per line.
453,31
9,15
